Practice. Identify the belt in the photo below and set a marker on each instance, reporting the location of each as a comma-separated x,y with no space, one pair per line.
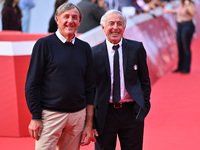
121,105
185,22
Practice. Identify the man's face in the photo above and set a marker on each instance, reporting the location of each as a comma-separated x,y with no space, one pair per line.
68,22
114,28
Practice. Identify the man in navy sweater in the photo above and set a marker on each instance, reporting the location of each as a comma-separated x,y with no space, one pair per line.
59,87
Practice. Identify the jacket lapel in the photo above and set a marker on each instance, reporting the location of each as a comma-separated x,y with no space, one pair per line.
124,53
105,57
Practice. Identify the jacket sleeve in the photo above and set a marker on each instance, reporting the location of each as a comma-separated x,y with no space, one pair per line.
144,77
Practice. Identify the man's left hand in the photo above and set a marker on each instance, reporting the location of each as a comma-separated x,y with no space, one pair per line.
87,136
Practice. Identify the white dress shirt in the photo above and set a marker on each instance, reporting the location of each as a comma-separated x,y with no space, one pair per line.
63,39
125,97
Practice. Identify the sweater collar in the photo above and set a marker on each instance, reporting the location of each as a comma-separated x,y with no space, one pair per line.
63,39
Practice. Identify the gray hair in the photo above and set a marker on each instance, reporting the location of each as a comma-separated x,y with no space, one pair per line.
67,6
113,11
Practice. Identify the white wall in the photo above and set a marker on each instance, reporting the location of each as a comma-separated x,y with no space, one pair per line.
40,16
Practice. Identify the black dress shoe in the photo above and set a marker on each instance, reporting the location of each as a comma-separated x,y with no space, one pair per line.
185,71
177,70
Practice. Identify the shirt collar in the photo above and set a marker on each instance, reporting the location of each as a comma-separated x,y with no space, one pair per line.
63,39
110,45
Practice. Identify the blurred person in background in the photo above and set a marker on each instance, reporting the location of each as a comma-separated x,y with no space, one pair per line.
185,30
26,6
59,87
1,5
130,8
92,10
113,4
144,6
138,6
153,4
52,23
11,15
121,4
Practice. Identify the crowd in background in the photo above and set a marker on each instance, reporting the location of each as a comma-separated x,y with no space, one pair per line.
15,15
20,10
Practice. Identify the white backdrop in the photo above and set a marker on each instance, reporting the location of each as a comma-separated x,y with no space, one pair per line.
41,14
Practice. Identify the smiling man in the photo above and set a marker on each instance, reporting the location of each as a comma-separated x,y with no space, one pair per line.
122,87
59,87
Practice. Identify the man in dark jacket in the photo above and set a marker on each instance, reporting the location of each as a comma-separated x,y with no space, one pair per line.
92,12
122,87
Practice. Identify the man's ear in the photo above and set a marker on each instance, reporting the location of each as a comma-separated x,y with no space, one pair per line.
56,19
80,19
102,27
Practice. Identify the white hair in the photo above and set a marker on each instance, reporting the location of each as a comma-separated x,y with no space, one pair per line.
113,11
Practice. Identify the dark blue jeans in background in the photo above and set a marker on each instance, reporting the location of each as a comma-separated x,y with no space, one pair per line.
185,31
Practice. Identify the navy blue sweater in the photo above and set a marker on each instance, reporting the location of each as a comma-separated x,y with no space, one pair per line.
60,76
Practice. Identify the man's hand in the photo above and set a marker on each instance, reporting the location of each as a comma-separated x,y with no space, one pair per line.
87,136
35,129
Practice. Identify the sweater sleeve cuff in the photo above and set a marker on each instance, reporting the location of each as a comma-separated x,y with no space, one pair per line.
37,116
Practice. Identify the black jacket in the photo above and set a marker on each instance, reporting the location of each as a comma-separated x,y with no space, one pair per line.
137,81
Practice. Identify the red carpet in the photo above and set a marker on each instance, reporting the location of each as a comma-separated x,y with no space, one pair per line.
173,122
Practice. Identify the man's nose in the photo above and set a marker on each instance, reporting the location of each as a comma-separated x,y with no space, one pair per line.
115,25
70,19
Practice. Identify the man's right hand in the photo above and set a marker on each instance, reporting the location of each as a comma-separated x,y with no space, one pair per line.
35,129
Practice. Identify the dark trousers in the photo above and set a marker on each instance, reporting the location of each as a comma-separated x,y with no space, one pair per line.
121,122
185,31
